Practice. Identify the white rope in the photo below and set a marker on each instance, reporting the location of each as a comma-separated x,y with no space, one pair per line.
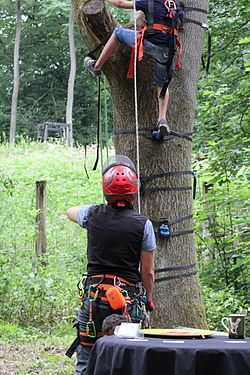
136,116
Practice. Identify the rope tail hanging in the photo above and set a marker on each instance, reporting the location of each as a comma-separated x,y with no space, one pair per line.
106,117
136,111
98,123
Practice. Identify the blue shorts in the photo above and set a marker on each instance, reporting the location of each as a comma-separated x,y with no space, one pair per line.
160,54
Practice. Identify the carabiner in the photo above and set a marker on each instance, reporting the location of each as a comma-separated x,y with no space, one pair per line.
91,325
96,291
117,281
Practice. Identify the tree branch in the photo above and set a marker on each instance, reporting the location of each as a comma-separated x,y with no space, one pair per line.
95,22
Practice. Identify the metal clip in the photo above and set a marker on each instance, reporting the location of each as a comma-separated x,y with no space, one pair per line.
95,291
91,326
117,281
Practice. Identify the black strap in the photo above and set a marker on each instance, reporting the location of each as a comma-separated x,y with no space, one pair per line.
171,222
195,9
181,135
205,27
181,232
150,14
164,88
169,65
85,160
147,178
166,83
175,277
98,123
172,135
73,347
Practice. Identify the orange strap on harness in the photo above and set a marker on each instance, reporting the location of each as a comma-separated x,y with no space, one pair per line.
139,45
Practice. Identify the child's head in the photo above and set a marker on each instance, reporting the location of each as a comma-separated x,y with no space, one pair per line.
112,321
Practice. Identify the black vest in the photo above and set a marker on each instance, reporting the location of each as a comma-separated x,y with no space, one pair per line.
114,241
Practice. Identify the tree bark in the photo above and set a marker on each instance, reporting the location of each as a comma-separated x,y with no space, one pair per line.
177,298
71,81
16,78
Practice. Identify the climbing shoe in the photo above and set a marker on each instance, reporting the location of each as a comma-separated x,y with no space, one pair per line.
162,127
89,64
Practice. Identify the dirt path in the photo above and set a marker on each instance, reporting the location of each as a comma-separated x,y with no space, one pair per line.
34,358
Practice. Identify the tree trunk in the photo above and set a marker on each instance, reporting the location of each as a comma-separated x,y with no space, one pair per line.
12,133
71,81
177,297
41,242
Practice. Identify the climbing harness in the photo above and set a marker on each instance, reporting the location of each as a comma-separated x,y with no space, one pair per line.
172,25
94,289
173,21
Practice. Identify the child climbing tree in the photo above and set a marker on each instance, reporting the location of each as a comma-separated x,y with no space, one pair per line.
165,165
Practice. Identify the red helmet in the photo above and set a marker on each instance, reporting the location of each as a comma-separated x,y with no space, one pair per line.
119,180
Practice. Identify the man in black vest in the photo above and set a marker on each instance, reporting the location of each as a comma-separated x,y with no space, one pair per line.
120,250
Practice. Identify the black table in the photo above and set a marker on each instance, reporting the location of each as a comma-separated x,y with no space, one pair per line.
157,356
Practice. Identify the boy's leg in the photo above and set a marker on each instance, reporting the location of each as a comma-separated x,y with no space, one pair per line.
94,66
120,35
108,50
160,74
162,124
162,103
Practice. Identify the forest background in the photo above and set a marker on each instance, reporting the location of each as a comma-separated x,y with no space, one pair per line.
44,297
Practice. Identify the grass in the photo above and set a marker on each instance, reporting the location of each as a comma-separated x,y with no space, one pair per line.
38,303
32,351
44,294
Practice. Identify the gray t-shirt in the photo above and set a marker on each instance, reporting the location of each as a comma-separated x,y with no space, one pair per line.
148,240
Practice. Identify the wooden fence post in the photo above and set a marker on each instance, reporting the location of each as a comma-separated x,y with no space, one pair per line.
41,242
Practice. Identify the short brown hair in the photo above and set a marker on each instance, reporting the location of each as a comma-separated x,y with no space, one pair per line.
112,321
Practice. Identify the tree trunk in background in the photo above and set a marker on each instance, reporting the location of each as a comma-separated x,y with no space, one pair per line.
177,298
71,81
16,78
41,242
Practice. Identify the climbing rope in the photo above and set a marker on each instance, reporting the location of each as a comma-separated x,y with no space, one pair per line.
106,117
136,112
98,123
